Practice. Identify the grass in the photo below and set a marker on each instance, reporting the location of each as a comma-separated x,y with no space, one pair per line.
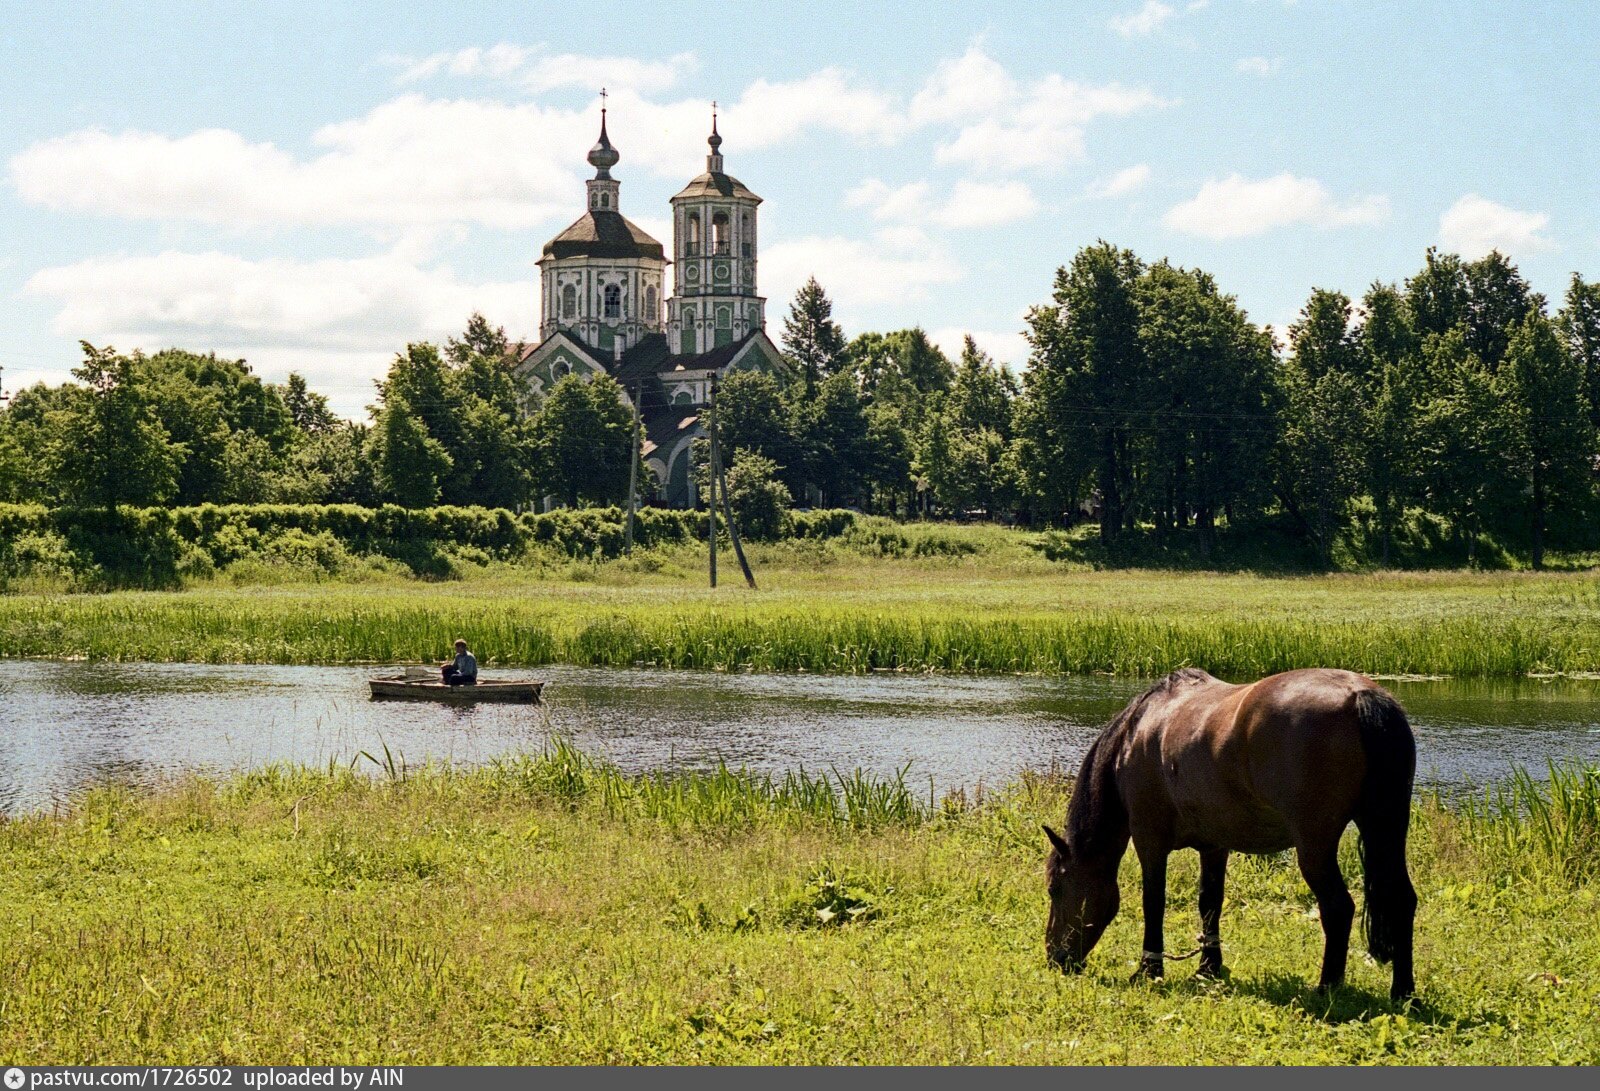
978,599
550,909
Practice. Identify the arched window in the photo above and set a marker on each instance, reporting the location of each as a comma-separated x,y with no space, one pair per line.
683,397
569,301
721,236
559,369
650,314
692,228
746,239
605,200
613,301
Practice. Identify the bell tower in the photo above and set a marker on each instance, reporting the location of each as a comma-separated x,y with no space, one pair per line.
714,240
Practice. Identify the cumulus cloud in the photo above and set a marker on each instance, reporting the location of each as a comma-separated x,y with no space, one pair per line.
1259,66
1007,347
894,265
1236,207
1475,225
1123,182
1045,127
534,69
1150,17
969,204
351,315
972,85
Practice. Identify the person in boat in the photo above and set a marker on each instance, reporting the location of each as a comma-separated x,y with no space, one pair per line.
463,669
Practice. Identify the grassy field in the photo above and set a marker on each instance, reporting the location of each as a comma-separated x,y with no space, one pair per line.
948,598
549,909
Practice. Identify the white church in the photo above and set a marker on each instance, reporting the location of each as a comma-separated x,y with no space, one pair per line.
603,284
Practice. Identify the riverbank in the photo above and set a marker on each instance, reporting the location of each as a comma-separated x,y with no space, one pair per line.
820,610
552,910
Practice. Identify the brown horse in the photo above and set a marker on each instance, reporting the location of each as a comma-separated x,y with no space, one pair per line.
1285,762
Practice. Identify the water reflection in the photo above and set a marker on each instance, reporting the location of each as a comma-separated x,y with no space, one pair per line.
66,725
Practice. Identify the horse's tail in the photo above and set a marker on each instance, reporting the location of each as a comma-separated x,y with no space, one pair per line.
1383,817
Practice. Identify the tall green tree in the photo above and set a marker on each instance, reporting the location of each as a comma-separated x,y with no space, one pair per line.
1580,328
811,337
1554,451
1088,383
583,439
110,449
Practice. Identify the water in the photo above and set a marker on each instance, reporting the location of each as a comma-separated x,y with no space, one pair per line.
66,725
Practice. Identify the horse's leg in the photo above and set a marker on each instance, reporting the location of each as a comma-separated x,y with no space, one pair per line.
1319,863
1153,874
1213,874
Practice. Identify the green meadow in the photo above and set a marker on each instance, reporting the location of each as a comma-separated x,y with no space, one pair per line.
548,908
944,598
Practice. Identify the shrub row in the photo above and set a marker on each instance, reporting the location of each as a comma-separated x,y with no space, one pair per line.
158,546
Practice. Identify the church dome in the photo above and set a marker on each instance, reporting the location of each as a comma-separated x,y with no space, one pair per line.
604,234
603,156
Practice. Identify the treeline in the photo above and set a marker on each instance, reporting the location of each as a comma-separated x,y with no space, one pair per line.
1459,399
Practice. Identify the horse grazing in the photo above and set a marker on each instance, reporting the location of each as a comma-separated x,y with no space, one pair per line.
1288,761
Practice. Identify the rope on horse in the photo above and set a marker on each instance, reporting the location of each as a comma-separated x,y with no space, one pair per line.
1204,941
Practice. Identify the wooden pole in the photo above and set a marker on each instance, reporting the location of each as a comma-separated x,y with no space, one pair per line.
722,486
711,496
633,471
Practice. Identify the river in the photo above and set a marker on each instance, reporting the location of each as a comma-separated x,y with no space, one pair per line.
67,725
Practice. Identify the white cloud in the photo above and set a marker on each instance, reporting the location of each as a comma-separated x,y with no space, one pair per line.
1259,66
1006,347
1122,183
1045,128
893,266
533,69
339,321
412,161
1147,19
776,113
969,204
1475,225
972,85
1236,207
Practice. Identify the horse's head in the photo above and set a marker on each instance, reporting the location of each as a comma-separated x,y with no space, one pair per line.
1083,900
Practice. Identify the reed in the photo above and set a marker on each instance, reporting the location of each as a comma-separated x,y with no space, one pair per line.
1269,626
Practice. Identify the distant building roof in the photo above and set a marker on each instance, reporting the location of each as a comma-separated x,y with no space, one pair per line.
716,184
604,234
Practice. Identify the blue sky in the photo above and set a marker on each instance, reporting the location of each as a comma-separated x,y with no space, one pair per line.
311,186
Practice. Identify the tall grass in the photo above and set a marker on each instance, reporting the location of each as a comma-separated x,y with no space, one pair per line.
1541,828
779,635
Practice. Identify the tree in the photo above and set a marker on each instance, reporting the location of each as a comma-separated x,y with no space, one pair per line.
751,416
307,409
832,430
582,437
1087,383
759,499
1555,442
1460,436
1319,455
110,449
1498,300
1323,339
408,462
810,336
1437,297
1390,346
1580,328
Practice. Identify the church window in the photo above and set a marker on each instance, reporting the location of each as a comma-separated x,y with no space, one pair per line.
613,301
560,368
683,397
569,301
605,200
719,233
724,318
650,314
692,226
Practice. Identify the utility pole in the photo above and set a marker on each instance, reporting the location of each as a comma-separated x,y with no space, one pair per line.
633,470
711,487
722,485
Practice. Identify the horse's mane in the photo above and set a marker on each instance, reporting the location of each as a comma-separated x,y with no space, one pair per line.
1096,809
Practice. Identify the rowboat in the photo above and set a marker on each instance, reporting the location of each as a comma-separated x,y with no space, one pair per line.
411,687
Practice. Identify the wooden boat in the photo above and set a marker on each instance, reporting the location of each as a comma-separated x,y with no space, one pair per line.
411,687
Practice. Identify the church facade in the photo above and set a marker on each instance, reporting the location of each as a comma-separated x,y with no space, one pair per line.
604,310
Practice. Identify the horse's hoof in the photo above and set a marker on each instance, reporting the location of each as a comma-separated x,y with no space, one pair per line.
1148,971
1401,993
1211,971
1327,988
